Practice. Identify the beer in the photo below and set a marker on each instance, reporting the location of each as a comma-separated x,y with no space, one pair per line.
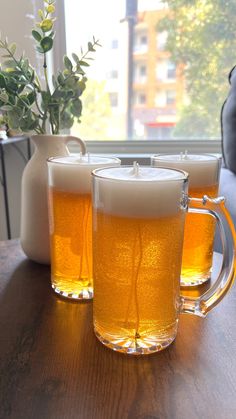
137,266
198,241
70,219
71,243
138,223
199,230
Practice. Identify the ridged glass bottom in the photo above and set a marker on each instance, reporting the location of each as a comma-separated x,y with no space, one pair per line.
84,294
137,345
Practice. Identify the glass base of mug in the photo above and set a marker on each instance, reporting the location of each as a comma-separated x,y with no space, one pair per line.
136,346
83,294
195,279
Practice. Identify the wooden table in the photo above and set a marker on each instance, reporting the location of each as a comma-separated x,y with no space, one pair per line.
52,366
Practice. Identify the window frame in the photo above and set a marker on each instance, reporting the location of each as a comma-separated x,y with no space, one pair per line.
128,147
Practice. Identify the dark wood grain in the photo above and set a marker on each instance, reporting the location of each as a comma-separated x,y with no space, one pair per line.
52,366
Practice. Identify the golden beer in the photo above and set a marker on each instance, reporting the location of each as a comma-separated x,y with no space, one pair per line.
199,233
70,221
71,243
198,241
137,263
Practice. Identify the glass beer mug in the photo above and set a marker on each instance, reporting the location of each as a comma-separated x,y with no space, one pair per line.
70,222
204,171
138,230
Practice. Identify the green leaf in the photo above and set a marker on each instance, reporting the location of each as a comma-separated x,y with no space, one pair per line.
4,97
9,63
50,8
12,48
51,34
12,100
75,57
46,25
40,49
67,63
11,86
76,107
32,76
90,46
81,87
31,98
54,82
67,120
6,108
40,13
46,44
2,81
25,65
46,98
24,100
60,79
84,64
36,35
20,89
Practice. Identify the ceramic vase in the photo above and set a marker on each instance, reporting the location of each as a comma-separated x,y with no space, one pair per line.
34,233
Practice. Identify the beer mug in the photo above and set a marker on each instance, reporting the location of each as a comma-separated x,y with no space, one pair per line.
70,223
138,230
199,233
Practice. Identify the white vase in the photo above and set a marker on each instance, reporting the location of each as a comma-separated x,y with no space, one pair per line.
34,234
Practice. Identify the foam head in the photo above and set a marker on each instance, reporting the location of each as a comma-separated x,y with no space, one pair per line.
73,173
148,192
203,169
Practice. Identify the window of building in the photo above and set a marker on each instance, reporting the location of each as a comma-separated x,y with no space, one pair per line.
140,98
170,97
140,42
113,99
143,40
113,74
114,44
143,70
161,39
140,73
171,70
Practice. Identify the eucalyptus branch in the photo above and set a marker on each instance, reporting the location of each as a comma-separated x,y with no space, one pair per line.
25,103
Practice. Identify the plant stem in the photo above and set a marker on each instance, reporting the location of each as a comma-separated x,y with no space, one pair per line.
45,72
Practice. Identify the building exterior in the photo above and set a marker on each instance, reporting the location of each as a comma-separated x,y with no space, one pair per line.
144,103
158,86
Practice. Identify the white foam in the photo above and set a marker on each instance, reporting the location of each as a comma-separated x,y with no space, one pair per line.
73,173
150,193
203,169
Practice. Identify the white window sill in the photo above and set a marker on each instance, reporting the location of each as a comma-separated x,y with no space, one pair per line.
146,148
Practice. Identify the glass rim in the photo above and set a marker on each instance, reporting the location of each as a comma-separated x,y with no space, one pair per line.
95,174
215,158
55,159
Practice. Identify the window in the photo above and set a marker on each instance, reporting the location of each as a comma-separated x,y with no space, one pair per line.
113,74
196,64
140,73
143,70
113,99
114,44
161,40
140,42
141,99
171,70
161,71
170,97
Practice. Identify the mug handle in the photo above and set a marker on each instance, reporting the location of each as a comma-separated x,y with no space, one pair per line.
215,207
81,143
